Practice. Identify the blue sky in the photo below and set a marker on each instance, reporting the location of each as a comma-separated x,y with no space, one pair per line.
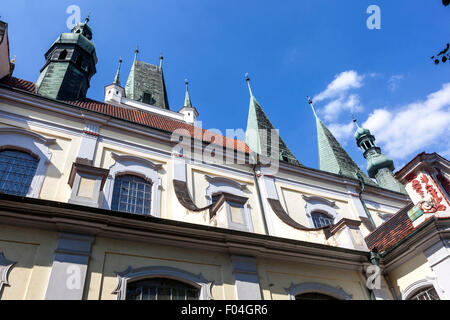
290,49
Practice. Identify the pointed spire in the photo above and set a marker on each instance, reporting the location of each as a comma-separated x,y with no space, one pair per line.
332,156
312,107
86,20
187,99
259,132
161,58
247,78
117,77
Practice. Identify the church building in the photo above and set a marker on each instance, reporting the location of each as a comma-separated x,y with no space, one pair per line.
129,198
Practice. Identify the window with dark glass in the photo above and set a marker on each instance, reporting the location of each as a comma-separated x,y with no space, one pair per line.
161,289
62,55
321,220
17,170
428,293
132,194
147,98
314,296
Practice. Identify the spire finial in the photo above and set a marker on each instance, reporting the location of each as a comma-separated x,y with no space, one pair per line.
86,20
355,121
187,98
312,107
13,60
161,58
136,51
247,78
117,77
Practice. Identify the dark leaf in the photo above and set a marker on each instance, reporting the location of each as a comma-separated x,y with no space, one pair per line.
436,61
444,58
445,2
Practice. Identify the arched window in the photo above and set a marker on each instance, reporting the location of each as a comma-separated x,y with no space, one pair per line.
161,289
17,170
427,293
316,291
321,219
132,194
314,296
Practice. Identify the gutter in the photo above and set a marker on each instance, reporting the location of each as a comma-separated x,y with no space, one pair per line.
258,193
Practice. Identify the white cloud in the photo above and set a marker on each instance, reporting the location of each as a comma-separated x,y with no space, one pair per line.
342,131
416,126
332,110
393,82
341,84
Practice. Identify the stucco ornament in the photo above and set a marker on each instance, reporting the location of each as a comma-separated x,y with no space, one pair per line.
427,206
5,266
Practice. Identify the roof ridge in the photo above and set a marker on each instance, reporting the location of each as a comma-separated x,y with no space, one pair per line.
141,117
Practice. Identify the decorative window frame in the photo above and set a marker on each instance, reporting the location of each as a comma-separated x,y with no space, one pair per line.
319,204
306,287
421,284
144,168
5,267
130,275
226,185
31,143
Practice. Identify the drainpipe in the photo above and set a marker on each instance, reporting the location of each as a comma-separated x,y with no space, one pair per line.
363,186
374,260
255,176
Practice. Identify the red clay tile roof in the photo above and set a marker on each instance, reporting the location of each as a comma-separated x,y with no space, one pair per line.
136,116
392,231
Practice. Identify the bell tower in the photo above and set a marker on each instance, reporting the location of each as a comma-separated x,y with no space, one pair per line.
379,166
69,65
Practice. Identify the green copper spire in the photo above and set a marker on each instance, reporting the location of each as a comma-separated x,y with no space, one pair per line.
258,133
187,98
146,84
117,77
379,166
332,157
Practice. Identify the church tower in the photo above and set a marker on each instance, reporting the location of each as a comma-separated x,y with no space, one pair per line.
146,84
69,66
379,166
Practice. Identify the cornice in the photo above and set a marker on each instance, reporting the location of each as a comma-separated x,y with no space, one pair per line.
62,217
